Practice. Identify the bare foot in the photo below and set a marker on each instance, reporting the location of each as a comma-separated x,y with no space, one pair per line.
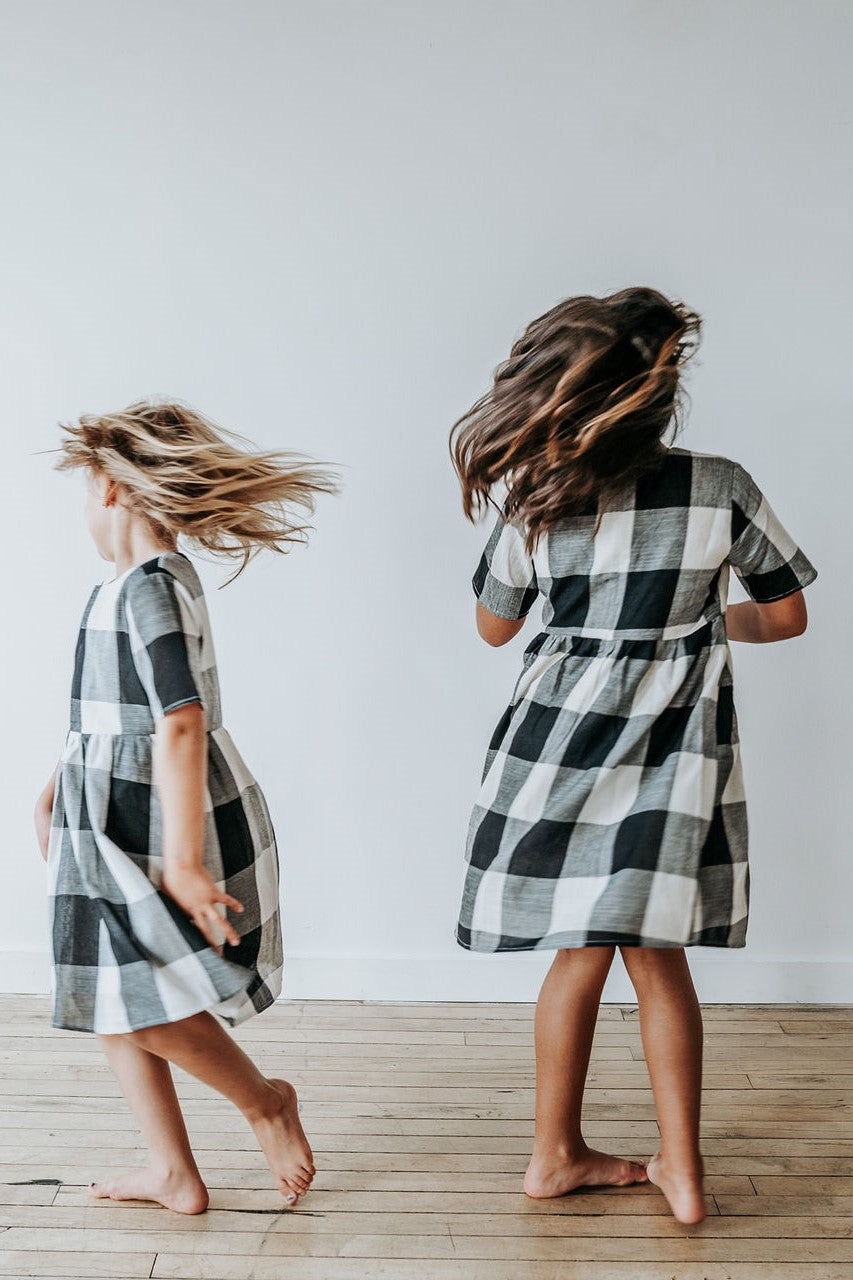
284,1144
183,1192
684,1191
546,1178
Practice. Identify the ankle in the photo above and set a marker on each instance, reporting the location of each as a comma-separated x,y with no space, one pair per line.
683,1164
175,1170
266,1104
561,1153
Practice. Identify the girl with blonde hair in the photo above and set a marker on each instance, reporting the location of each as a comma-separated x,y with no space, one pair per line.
162,861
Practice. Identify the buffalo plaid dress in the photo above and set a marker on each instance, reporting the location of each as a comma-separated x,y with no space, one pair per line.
612,809
125,955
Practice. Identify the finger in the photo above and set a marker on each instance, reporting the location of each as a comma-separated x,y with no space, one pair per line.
225,932
204,926
229,901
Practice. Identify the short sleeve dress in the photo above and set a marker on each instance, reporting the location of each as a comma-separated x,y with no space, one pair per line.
125,955
611,809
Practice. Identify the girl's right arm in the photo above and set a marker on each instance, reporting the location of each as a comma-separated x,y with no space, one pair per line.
494,630
761,623
180,767
43,810
159,646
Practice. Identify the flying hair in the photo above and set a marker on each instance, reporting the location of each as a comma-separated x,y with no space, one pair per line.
579,410
192,479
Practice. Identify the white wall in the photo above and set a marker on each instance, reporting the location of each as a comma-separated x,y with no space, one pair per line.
323,224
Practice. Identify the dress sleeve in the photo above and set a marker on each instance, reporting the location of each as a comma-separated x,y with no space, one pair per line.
160,634
505,579
764,556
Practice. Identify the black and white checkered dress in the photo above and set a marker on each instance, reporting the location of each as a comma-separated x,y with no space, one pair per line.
125,955
612,809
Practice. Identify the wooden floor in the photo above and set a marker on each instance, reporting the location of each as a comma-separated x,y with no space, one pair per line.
420,1118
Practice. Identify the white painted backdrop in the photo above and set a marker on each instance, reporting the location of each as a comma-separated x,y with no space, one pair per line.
323,224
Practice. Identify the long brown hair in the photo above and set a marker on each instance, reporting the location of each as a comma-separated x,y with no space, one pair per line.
190,478
579,410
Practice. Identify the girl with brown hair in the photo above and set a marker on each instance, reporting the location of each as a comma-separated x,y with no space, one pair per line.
162,861
611,811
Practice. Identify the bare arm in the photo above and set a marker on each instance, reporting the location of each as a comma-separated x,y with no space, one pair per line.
43,811
762,623
494,630
180,761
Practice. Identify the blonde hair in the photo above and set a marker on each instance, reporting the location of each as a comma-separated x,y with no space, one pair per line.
190,478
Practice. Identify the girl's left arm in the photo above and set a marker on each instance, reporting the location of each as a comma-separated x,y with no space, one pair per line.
505,584
180,761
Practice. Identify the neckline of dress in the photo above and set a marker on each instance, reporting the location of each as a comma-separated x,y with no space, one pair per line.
111,582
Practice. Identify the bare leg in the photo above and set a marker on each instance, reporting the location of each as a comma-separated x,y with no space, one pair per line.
171,1177
202,1047
671,1027
565,1025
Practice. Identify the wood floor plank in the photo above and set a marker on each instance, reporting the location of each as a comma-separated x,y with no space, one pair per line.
311,1079
578,1248
237,1230
283,1050
177,1267
773,1205
799,1079
250,1171
804,1185
819,1025
26,1194
60,1263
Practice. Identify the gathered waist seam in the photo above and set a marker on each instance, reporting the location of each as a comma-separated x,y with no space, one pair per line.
660,634
646,647
126,733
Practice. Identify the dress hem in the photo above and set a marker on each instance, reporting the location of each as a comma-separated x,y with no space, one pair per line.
617,940
164,1022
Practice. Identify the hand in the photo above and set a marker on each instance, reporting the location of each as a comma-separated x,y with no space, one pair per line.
196,892
41,818
43,814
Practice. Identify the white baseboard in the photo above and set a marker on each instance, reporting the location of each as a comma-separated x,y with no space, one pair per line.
721,977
